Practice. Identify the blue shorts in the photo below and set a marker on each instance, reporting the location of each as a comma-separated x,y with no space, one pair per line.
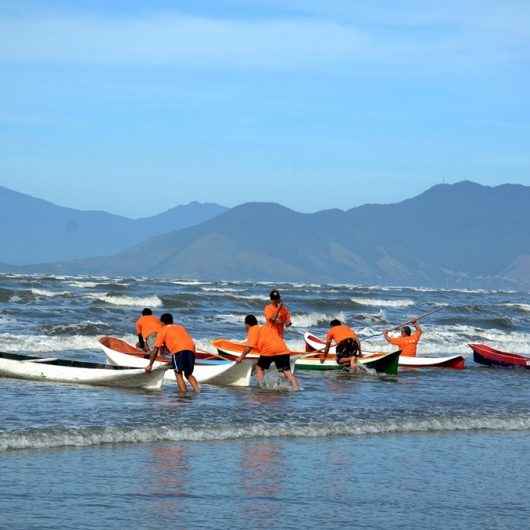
183,362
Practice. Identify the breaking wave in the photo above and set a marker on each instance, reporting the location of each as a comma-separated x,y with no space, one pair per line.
307,320
127,301
49,294
44,343
93,436
524,308
83,285
382,303
84,328
221,290
188,282
5,295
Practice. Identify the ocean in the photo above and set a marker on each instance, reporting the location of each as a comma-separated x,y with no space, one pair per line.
432,449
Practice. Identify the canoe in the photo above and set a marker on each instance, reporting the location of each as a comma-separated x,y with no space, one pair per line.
379,362
209,368
488,356
231,350
78,372
385,363
456,362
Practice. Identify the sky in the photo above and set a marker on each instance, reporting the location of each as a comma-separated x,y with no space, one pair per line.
133,107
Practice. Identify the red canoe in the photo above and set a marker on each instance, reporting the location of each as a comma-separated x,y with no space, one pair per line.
483,354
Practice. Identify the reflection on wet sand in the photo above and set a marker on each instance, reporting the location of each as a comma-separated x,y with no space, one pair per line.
168,478
262,482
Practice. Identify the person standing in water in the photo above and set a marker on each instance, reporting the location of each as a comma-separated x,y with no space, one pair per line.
276,313
176,339
147,327
266,341
348,346
407,342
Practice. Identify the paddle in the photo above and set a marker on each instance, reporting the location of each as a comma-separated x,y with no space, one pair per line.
416,319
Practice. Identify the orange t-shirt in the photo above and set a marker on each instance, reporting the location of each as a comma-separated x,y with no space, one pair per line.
175,338
147,325
266,341
407,345
284,317
340,333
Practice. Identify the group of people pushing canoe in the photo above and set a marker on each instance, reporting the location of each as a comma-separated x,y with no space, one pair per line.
162,336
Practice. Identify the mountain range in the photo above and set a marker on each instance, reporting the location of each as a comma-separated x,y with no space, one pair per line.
463,234
35,230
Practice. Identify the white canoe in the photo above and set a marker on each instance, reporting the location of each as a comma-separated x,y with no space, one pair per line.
78,372
456,362
208,368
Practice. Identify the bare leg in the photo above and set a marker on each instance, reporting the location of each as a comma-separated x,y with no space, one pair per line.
194,383
180,382
293,381
260,375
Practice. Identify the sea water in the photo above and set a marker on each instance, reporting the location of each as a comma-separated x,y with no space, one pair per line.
434,449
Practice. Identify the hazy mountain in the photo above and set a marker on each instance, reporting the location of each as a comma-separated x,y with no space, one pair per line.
34,230
463,233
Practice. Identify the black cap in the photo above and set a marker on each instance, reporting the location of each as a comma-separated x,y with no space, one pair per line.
275,295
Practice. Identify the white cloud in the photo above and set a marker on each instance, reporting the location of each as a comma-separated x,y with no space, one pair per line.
172,38
437,38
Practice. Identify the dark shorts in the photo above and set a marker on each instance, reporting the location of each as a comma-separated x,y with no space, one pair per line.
282,362
183,362
347,348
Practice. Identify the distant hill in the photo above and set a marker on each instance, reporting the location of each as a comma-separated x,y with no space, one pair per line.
465,234
35,230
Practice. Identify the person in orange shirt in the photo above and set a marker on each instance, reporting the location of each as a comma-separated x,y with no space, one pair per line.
147,326
276,314
271,347
408,341
348,346
176,339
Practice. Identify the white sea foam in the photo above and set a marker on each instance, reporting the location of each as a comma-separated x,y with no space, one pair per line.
189,282
220,290
234,319
307,320
126,301
44,343
84,285
255,297
374,302
93,436
450,340
6,320
49,294
522,307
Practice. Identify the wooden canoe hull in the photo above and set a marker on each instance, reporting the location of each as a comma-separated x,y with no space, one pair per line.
455,362
207,370
380,362
488,356
77,372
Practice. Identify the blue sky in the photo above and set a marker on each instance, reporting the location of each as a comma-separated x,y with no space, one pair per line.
134,107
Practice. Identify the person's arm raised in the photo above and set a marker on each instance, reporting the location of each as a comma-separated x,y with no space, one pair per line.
419,331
